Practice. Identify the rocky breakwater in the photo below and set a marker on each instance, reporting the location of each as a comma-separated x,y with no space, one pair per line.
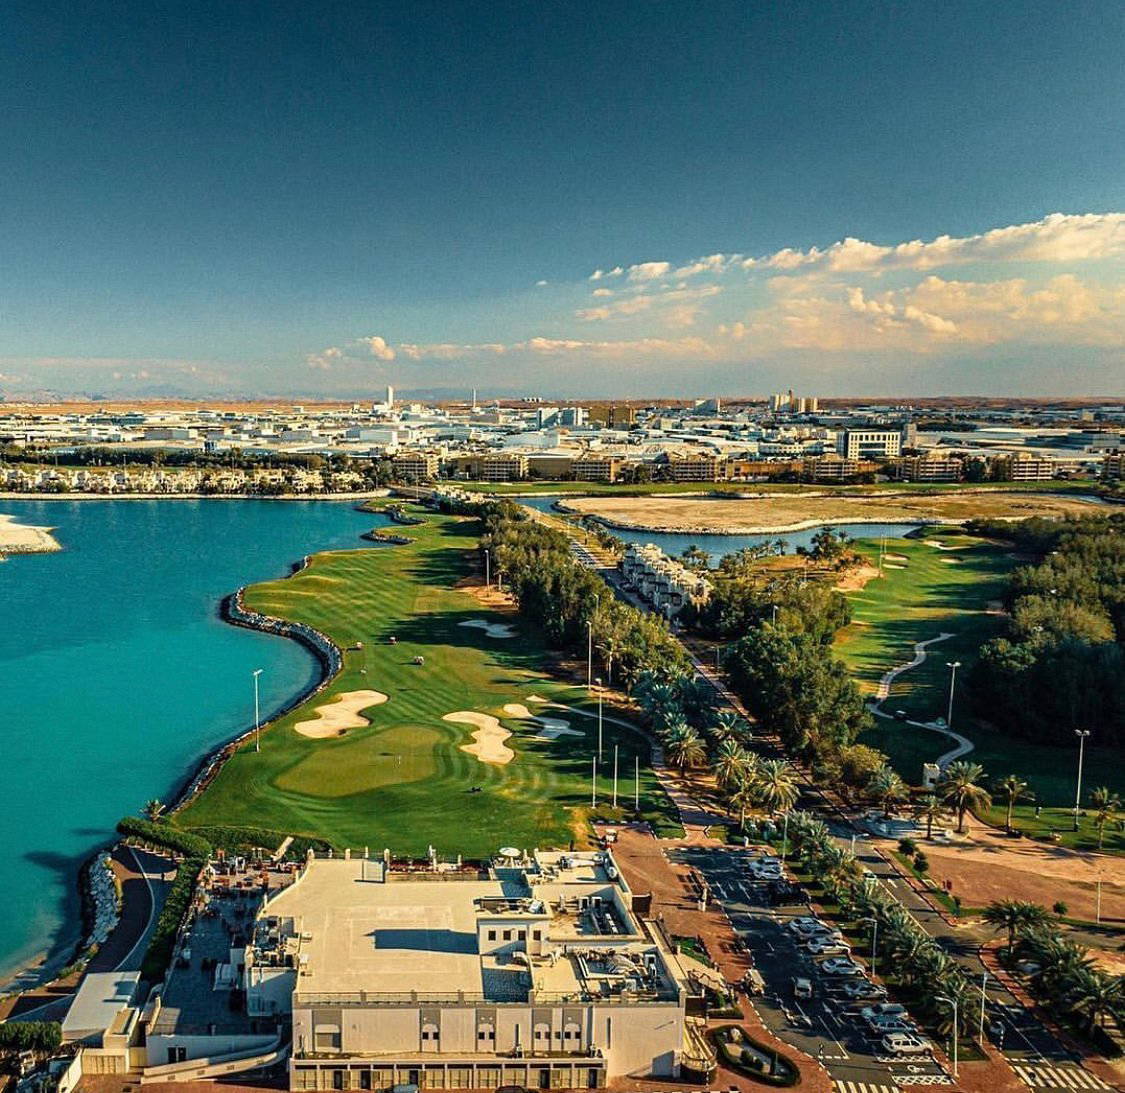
330,656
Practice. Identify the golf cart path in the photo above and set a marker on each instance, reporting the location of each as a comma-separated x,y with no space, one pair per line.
882,693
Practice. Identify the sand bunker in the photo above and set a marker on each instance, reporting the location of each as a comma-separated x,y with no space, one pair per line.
937,544
896,557
492,629
893,565
517,709
336,717
537,698
488,738
950,561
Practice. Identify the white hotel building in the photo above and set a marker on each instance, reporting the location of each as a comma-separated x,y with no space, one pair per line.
537,973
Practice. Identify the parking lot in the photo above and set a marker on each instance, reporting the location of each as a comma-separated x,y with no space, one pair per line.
824,1020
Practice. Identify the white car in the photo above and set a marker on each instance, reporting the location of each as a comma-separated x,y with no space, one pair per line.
862,990
827,945
806,925
904,1043
841,965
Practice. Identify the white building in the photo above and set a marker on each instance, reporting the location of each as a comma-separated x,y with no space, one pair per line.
534,973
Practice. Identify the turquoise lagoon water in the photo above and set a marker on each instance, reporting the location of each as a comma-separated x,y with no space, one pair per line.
117,675
717,546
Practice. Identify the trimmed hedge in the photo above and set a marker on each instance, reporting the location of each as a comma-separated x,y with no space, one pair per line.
240,840
164,834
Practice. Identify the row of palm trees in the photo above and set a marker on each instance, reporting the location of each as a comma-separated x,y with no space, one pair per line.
1064,977
922,966
746,779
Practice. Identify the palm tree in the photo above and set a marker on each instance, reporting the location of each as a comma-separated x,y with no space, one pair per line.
776,783
153,809
931,809
732,764
730,726
886,787
1096,995
1107,805
685,748
959,789
1015,916
744,797
1014,789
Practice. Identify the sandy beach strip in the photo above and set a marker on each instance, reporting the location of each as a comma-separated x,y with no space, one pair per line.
17,538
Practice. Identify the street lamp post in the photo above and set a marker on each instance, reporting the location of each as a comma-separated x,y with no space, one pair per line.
257,719
874,938
951,1002
598,681
487,569
983,1004
1081,734
615,748
954,665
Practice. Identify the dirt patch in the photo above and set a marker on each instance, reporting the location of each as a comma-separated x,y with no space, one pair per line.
343,713
856,578
780,512
488,737
996,867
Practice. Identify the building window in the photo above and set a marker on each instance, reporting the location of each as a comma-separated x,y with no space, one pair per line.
537,935
507,935
522,935
491,935
486,1034
327,1041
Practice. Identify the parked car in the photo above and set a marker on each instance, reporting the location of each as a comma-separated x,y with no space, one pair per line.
882,1009
802,988
806,924
827,945
862,990
841,965
904,1043
884,1026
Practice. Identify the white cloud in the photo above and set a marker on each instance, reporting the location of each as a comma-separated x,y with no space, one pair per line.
378,348
649,271
601,292
598,274
325,359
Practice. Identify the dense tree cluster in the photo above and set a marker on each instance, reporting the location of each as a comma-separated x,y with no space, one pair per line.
569,602
42,1037
1061,664
795,687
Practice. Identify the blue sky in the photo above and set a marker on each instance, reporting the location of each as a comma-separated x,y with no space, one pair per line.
320,198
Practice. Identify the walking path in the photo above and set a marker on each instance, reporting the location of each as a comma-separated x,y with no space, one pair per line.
882,693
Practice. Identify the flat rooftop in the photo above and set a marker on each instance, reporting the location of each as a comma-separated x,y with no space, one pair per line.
353,931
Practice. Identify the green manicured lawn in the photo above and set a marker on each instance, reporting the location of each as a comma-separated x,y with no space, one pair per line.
403,781
934,591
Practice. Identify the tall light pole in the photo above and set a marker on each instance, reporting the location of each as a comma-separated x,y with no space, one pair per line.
874,938
590,645
257,720
594,782
487,568
615,747
598,681
951,1002
983,1003
953,665
1081,734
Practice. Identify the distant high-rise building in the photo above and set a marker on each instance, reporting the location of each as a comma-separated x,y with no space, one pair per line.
390,400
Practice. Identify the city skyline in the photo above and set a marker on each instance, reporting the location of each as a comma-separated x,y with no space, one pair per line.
600,201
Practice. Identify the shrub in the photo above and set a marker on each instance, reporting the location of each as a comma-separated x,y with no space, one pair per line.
921,862
907,847
40,1036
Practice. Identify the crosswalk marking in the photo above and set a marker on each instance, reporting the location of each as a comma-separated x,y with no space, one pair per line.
863,1087
922,1079
1058,1077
